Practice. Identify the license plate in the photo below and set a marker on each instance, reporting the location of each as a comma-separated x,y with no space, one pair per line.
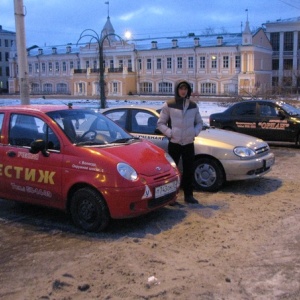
165,189
269,162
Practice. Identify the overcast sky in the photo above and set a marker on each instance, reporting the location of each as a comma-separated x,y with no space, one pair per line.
58,22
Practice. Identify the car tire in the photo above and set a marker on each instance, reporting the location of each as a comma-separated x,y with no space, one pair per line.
208,175
88,210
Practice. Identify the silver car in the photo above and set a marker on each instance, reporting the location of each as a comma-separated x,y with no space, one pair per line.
220,155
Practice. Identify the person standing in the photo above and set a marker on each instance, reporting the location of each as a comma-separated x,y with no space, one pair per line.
181,122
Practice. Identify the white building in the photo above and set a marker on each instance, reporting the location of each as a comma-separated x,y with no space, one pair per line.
224,64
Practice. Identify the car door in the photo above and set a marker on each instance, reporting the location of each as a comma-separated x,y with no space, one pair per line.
244,117
143,124
31,177
272,126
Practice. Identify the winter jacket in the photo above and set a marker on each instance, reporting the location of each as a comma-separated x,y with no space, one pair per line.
185,119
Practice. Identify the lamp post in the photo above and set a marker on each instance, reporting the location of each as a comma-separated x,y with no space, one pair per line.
93,35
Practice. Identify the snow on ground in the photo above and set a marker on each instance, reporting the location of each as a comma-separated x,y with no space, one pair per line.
206,108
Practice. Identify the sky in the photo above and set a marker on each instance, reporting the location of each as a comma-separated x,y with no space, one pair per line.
57,22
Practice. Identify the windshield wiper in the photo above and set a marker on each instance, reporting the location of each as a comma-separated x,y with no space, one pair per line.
124,140
90,143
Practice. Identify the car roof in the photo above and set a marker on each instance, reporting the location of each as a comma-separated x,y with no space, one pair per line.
43,108
133,106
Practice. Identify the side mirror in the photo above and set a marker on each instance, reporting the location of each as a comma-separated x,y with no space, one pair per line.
37,146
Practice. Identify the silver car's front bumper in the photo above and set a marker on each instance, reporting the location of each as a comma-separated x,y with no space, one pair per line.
248,168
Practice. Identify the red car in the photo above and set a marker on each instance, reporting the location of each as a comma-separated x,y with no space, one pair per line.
81,162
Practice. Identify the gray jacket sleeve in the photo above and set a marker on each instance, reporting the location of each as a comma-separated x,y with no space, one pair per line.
162,123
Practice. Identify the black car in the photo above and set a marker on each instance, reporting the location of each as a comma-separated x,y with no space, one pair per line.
266,119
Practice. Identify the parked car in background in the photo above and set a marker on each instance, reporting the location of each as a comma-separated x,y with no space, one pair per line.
81,162
220,155
266,119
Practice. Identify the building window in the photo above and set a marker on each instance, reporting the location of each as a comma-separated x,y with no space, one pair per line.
94,64
288,41
6,43
115,87
50,67
64,66
275,40
7,71
57,67
0,54
202,62
287,64
62,88
6,56
275,64
213,62
87,64
165,87
287,81
149,66
30,68
237,61
35,88
71,65
129,65
111,64
179,62
191,62
146,87
139,64
47,88
158,63
275,81
169,63
43,67
225,62
36,67
208,88
0,71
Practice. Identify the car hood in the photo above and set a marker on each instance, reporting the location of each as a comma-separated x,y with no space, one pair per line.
146,158
228,139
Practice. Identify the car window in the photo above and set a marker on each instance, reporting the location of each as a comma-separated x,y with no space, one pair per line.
24,129
143,122
267,110
118,116
245,109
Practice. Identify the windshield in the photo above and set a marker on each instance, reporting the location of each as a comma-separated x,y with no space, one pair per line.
86,127
289,109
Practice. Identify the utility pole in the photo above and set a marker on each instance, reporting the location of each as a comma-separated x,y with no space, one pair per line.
21,51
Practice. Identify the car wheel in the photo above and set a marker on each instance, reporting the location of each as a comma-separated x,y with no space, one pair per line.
88,210
208,175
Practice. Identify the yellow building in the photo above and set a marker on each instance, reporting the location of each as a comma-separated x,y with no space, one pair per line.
223,64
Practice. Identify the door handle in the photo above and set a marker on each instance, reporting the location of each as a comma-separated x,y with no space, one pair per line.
11,153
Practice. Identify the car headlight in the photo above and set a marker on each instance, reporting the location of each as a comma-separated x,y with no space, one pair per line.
170,160
243,152
127,171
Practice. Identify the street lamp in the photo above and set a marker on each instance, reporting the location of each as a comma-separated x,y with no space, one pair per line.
93,35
